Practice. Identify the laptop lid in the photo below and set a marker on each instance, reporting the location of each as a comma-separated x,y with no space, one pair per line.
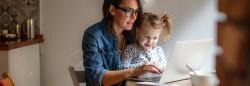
192,53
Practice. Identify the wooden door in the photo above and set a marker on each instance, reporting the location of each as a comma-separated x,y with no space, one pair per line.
233,34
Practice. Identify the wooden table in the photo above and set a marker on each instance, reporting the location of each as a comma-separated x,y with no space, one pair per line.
184,82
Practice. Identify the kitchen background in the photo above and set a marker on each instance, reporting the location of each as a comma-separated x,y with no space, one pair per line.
14,12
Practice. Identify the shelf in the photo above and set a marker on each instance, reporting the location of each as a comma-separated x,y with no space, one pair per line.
8,45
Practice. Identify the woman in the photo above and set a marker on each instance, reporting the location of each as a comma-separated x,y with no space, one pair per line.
104,42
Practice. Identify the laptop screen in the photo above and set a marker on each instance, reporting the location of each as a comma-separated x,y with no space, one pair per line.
192,53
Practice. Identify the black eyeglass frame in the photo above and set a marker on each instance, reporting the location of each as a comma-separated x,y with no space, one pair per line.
128,11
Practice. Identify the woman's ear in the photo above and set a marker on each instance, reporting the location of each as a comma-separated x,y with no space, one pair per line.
112,10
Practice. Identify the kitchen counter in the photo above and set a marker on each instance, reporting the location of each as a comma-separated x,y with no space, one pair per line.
8,45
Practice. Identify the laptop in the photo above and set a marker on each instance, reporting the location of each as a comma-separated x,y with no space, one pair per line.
192,53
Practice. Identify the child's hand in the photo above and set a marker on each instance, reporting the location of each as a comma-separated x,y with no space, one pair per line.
148,67
160,67
152,68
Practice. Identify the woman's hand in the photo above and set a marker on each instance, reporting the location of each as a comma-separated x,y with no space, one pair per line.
148,67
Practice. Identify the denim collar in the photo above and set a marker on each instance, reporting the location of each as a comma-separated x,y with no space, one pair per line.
106,30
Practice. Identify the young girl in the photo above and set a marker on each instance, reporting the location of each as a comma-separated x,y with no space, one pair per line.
146,50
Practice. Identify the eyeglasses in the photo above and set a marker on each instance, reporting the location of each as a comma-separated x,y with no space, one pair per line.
129,11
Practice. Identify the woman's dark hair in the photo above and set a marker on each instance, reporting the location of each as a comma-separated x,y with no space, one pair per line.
108,19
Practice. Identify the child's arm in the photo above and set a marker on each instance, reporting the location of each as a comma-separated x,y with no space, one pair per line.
161,62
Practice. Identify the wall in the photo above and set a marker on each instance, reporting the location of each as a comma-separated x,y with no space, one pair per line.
63,22
4,62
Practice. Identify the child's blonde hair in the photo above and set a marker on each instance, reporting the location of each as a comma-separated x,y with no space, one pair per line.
157,22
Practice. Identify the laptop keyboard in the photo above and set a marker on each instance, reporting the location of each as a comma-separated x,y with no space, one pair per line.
151,79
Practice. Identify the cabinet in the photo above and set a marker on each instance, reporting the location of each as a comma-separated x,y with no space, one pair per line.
22,61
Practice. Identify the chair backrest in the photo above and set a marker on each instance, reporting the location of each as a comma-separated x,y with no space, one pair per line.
7,81
77,76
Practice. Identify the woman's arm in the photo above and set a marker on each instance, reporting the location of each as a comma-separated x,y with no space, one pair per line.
93,62
113,77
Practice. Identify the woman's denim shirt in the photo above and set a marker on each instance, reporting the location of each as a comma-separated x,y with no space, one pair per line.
100,53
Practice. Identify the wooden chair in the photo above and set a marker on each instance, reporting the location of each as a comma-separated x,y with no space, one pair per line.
77,76
7,81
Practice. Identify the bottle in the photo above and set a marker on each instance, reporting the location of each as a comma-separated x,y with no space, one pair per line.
30,29
32,33
24,30
18,31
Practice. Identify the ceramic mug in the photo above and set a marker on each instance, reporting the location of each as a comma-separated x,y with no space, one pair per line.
202,78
